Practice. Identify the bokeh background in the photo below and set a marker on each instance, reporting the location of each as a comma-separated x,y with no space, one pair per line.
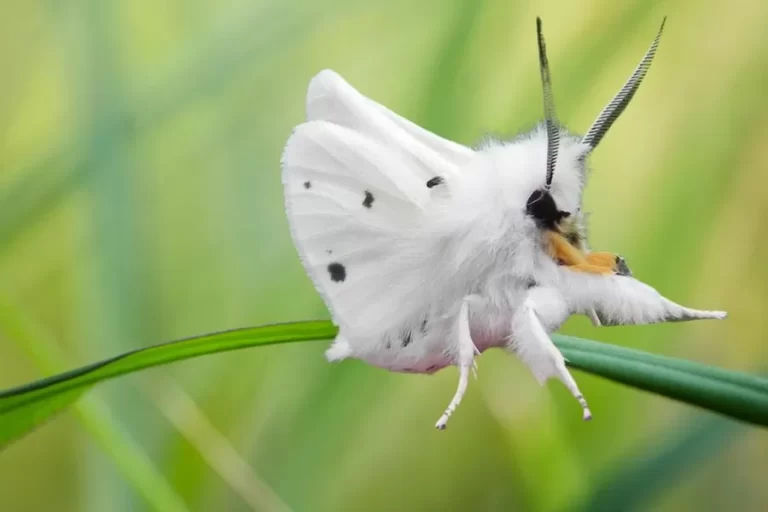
140,201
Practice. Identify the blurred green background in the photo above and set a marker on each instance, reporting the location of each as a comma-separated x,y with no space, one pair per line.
140,201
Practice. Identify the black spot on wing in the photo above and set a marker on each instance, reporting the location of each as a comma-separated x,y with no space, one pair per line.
329,251
307,184
407,339
433,182
368,201
424,324
338,272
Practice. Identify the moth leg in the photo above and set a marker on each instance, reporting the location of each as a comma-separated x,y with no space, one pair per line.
592,315
618,300
531,343
466,362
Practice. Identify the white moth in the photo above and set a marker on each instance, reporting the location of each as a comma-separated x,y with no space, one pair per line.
427,252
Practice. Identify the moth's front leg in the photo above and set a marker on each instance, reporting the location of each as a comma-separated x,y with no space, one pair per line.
619,300
543,310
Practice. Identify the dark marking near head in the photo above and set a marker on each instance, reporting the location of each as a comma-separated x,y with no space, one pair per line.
622,268
437,180
307,184
531,284
338,272
541,206
407,339
368,201
574,238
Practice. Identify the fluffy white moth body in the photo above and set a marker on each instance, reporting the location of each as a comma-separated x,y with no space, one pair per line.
423,250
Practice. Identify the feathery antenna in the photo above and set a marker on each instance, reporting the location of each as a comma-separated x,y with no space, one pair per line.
550,116
541,205
619,102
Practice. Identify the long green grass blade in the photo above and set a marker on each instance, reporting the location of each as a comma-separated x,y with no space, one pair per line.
41,391
128,456
739,396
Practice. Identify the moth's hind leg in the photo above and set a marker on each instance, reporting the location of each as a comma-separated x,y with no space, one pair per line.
465,361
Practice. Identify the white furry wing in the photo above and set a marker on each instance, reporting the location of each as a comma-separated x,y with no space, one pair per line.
358,205
331,98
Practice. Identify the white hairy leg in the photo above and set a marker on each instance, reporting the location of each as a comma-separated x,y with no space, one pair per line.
623,300
532,344
465,362
592,315
562,372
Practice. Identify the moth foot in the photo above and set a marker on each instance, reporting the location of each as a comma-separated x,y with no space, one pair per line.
622,268
587,413
462,388
571,385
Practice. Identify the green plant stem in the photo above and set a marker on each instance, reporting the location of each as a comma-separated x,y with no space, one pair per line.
733,394
92,413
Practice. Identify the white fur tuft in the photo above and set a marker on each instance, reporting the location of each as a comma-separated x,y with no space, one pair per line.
339,350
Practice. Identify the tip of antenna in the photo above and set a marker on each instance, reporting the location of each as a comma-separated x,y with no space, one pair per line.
663,22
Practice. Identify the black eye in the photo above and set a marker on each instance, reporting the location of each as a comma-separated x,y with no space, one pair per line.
541,206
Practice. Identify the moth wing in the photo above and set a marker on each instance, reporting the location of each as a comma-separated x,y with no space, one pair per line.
355,188
330,98
357,211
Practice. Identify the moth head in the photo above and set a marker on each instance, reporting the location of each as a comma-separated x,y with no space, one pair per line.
542,205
